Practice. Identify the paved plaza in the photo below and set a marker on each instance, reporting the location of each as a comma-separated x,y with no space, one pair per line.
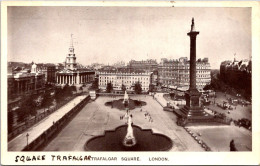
95,118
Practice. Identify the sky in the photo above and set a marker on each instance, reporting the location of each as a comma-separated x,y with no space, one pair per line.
111,34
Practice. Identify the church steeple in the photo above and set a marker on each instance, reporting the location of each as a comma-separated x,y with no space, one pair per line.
71,40
71,48
70,62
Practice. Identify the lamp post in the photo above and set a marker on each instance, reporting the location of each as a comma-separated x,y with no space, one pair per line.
27,135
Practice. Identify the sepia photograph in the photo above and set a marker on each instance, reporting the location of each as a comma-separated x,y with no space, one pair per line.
127,79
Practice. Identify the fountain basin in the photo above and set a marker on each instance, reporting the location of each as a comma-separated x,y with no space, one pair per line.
146,140
119,104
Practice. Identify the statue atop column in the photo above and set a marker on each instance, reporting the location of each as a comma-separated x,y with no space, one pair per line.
192,25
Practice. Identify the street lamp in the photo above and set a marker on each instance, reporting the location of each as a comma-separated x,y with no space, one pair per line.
27,135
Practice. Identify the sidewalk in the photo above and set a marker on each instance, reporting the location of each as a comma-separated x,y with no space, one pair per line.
18,143
160,99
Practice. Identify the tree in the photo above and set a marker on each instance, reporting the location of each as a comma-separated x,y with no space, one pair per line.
109,87
151,87
94,85
208,87
138,88
172,95
123,88
59,94
67,90
47,100
28,107
10,121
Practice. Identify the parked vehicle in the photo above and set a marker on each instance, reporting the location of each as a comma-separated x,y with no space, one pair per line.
245,123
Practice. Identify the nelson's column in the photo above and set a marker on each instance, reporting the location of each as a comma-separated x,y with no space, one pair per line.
192,111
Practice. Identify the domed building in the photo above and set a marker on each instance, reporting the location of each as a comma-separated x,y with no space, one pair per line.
72,74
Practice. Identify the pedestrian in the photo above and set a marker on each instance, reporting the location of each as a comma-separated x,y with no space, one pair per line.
232,146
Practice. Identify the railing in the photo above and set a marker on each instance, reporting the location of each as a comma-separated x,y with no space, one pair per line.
116,94
217,120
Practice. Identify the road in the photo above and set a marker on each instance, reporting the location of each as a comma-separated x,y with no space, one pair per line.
238,113
218,137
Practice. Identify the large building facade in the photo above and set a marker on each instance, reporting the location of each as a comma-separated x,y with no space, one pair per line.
177,72
71,75
25,81
148,65
50,73
49,70
237,74
128,79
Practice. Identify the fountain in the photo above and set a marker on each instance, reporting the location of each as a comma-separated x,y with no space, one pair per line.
126,102
126,98
128,137
113,140
129,140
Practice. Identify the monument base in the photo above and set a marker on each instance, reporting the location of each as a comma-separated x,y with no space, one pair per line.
193,116
193,112
187,112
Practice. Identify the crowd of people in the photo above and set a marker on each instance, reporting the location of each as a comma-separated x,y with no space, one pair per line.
147,115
